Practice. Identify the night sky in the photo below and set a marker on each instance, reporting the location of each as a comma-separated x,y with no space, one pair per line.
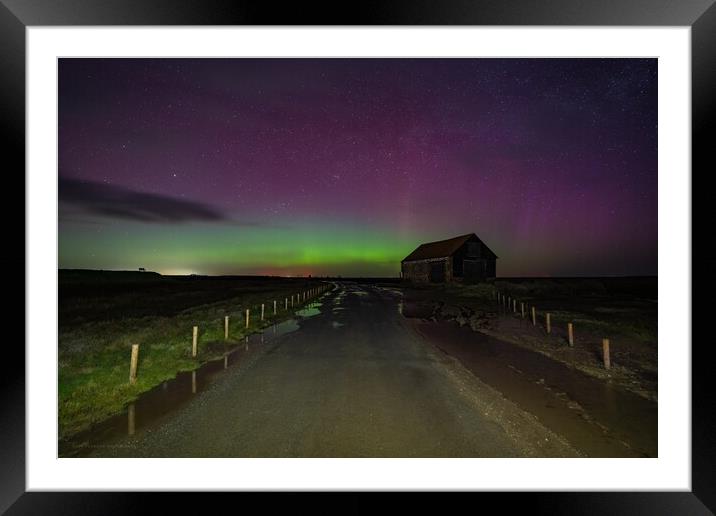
344,166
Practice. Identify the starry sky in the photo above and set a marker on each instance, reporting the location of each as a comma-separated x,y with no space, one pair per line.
344,166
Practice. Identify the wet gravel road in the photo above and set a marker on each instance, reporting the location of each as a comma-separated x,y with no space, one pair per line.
355,380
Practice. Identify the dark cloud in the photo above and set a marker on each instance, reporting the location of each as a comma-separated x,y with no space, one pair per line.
122,203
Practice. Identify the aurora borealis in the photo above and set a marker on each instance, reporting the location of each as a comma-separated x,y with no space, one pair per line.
344,166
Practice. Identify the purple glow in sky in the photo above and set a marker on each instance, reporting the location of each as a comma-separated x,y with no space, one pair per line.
344,166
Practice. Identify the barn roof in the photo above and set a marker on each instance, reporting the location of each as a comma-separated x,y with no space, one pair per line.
440,249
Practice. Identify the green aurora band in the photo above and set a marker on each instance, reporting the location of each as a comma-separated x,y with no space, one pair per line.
229,249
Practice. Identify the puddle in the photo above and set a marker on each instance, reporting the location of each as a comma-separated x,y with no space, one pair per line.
595,417
154,406
391,291
310,310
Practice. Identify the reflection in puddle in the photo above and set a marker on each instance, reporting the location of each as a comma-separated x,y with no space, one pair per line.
154,406
310,310
594,416
130,419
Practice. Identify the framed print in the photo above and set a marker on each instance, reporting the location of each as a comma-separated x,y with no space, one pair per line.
428,248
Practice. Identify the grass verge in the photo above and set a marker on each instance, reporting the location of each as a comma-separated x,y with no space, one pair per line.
93,355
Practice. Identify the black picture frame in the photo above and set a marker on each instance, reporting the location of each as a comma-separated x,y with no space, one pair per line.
700,15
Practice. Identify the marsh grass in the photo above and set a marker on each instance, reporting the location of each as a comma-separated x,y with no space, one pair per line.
96,333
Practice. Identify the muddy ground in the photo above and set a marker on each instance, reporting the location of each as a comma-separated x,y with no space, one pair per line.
623,312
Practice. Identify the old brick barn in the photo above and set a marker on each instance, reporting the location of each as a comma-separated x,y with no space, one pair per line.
464,258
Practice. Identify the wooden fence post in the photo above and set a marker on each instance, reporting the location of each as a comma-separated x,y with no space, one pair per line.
514,305
262,311
286,303
194,335
570,334
522,308
133,360
534,316
226,327
605,353
549,324
193,382
274,307
247,317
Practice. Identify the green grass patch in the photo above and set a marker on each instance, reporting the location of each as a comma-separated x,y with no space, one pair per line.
94,352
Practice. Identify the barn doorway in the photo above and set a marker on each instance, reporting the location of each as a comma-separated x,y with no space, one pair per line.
437,272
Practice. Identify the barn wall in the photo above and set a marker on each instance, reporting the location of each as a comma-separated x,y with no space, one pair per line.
459,256
419,271
449,272
492,268
457,268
